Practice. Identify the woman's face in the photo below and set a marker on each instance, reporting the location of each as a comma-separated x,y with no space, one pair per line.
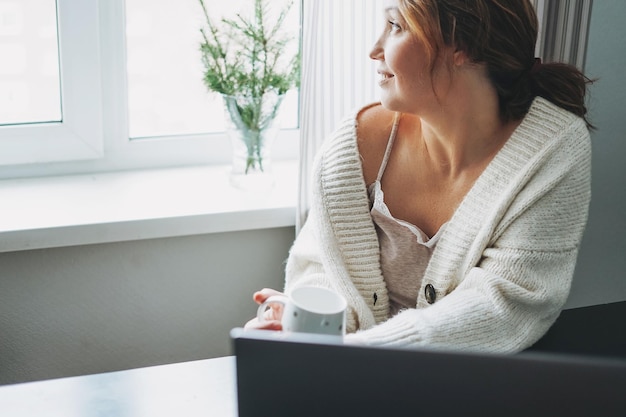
403,65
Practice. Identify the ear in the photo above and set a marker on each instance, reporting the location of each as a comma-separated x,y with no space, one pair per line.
459,58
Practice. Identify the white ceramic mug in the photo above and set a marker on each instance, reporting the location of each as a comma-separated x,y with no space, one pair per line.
310,310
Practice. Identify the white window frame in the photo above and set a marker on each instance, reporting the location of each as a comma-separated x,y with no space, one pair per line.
79,134
93,135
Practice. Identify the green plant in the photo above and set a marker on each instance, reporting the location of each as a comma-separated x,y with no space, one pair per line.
245,58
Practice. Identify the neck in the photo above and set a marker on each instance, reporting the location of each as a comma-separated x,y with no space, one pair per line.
466,129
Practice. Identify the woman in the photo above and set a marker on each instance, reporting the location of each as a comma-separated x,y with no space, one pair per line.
450,214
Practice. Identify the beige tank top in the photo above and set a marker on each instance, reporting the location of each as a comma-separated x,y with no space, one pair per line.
404,249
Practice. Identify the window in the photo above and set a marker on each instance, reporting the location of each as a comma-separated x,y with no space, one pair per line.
166,95
30,90
98,85
119,86
49,114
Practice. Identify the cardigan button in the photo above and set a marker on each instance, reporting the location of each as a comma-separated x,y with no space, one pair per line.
430,293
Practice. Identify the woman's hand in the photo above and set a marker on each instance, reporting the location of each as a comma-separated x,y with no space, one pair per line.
273,315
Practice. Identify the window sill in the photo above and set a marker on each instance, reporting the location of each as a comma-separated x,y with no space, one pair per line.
52,212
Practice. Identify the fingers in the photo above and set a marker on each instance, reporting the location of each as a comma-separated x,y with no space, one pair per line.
271,317
264,325
260,296
274,312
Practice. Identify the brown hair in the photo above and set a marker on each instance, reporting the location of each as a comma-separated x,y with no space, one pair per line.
502,35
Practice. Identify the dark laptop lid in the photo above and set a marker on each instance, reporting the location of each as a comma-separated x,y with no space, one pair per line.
300,375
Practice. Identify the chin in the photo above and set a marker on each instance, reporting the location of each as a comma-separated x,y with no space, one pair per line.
391,104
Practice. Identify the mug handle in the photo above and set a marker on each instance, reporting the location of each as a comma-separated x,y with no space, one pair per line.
273,299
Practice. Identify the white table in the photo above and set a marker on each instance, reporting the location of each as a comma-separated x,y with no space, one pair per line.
200,388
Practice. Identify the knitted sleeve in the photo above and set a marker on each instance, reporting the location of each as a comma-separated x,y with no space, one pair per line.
337,247
305,268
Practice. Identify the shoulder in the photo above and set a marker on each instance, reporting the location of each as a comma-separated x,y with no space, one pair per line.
373,127
548,118
373,121
557,126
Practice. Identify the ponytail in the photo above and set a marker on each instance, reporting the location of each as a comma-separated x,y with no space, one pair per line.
563,85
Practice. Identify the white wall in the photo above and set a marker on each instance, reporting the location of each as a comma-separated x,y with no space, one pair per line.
601,270
96,308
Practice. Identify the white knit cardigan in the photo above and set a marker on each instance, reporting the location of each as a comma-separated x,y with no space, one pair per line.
503,267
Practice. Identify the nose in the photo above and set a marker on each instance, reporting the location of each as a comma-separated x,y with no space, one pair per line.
377,52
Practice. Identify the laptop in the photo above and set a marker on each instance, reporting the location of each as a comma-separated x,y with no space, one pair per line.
301,375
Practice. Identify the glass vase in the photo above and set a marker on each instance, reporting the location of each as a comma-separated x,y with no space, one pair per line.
252,125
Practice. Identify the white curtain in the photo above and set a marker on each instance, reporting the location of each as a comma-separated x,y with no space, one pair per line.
564,27
337,74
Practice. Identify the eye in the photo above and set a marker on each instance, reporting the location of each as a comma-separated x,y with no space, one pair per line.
393,26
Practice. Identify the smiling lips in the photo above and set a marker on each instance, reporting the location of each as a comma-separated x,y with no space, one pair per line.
384,76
